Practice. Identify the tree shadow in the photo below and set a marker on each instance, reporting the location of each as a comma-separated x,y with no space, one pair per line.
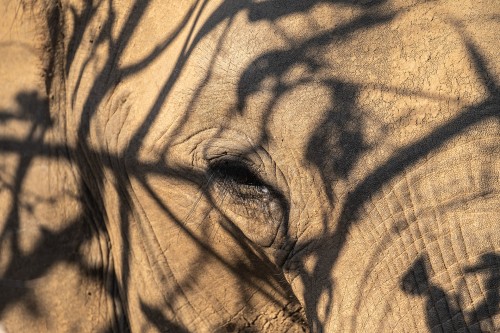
339,135
333,155
490,306
444,310
441,311
30,107
402,160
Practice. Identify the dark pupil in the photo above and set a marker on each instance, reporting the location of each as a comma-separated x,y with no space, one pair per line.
236,173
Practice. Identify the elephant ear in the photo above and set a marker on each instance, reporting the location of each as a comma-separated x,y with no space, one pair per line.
239,192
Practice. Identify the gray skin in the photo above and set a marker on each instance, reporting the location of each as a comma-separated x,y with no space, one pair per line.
261,166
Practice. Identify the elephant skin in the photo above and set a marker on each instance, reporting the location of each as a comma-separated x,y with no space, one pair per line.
250,166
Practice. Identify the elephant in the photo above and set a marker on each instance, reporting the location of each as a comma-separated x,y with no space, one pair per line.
250,166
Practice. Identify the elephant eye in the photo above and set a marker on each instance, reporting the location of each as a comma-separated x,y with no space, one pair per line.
238,179
255,207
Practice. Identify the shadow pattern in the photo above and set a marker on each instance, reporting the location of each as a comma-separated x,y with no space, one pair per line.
334,157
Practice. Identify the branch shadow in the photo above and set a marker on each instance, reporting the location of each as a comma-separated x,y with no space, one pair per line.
334,156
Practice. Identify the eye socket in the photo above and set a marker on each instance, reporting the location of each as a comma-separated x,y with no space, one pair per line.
255,207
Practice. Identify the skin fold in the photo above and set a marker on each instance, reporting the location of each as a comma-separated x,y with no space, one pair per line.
250,166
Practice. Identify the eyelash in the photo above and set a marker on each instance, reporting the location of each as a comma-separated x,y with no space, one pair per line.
239,180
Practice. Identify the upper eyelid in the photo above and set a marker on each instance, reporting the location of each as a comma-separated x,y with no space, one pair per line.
238,161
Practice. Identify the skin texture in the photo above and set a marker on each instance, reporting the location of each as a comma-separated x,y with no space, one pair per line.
261,166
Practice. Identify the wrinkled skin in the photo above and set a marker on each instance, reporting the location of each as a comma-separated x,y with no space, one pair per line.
271,166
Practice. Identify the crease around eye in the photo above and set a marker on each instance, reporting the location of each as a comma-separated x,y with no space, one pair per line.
242,196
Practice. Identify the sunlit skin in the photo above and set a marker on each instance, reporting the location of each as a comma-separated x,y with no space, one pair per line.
229,96
254,161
